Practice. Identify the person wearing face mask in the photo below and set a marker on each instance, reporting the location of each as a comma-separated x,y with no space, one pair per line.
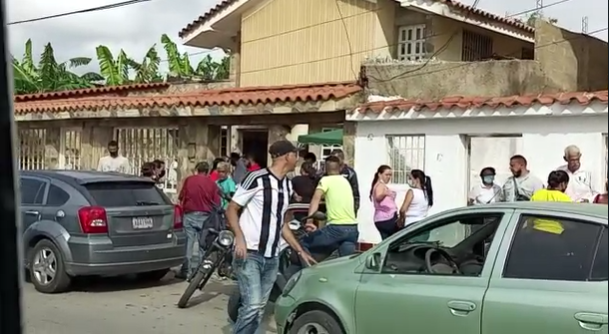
418,200
486,192
602,198
522,184
383,198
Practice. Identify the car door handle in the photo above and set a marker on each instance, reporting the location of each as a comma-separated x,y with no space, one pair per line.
591,321
32,213
461,308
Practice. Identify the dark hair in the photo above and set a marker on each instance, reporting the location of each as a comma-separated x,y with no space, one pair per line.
333,159
556,178
113,143
488,169
147,169
375,179
158,163
202,167
309,169
215,163
425,183
310,156
521,158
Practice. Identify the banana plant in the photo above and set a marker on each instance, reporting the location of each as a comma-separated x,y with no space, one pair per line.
114,71
147,70
179,65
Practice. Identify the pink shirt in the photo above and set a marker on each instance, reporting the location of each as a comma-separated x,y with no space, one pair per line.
386,208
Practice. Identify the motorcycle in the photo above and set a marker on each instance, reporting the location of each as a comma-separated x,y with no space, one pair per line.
289,263
217,257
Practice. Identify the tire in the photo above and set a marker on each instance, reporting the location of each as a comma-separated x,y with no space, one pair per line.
153,276
58,283
200,279
234,303
316,320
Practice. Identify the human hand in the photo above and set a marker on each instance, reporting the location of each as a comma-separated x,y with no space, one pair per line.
310,226
297,198
307,258
240,249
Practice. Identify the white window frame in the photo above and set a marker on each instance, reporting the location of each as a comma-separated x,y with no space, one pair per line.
410,157
411,42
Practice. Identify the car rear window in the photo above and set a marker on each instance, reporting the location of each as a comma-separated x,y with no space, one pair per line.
118,194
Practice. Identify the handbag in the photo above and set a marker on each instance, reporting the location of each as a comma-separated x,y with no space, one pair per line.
517,196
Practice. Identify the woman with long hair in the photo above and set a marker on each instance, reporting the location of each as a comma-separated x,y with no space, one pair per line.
383,198
418,200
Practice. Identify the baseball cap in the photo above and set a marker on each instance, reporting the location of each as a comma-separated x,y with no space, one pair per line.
281,148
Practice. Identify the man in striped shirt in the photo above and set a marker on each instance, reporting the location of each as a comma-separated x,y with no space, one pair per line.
263,197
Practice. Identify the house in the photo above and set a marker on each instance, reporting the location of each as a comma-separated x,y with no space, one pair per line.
448,139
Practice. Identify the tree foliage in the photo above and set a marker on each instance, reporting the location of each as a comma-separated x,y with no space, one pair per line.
49,75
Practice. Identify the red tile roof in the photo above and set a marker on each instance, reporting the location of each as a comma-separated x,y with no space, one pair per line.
462,102
232,96
91,91
455,4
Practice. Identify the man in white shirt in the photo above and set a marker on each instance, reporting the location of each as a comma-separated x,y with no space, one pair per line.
522,184
487,191
580,187
114,162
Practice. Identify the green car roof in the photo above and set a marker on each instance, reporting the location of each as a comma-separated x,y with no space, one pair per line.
596,210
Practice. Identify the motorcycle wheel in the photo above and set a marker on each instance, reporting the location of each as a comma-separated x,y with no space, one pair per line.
197,282
234,303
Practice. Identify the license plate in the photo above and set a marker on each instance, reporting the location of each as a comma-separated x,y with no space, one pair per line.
142,223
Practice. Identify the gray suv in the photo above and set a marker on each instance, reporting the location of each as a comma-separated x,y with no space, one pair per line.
81,223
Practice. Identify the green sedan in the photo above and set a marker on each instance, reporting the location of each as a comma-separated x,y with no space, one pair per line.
509,268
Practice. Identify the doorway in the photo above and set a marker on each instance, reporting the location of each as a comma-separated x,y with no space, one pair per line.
255,143
492,151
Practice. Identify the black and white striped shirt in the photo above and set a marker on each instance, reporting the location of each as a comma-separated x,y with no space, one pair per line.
265,200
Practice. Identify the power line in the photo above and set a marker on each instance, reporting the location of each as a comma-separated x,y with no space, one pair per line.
82,11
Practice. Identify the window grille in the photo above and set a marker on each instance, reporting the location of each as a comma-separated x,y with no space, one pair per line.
405,153
32,148
411,42
70,149
476,47
141,145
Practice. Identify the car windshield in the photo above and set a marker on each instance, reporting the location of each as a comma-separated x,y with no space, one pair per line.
120,194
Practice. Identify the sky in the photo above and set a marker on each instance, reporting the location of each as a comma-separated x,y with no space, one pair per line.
136,28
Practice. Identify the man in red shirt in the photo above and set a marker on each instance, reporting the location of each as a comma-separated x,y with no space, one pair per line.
200,198
252,166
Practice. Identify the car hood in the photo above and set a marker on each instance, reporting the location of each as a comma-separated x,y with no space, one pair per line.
354,259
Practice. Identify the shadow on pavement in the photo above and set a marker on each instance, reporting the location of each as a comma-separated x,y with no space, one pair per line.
120,283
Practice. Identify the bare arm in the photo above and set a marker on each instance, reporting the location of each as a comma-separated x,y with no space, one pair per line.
380,192
232,219
288,235
314,205
407,202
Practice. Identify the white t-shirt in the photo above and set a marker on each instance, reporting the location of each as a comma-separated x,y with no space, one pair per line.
580,185
418,208
117,164
265,200
483,195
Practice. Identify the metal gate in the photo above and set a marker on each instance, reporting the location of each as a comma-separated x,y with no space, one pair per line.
141,145
70,149
32,148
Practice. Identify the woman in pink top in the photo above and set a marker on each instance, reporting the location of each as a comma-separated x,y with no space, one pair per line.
385,209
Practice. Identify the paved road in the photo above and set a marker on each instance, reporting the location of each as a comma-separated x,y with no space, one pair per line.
124,306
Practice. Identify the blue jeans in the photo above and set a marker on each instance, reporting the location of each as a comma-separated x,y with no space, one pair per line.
256,276
332,237
196,231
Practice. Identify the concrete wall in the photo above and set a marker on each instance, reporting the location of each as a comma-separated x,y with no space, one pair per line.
437,80
446,158
571,61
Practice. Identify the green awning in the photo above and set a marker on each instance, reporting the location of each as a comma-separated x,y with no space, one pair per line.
334,137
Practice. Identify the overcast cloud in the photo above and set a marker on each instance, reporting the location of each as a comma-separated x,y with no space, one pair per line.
135,28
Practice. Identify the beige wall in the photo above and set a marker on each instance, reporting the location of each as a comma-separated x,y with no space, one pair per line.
300,42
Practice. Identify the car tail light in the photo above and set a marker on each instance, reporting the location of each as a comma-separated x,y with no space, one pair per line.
93,219
177,218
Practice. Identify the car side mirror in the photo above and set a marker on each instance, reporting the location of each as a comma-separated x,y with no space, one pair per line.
373,261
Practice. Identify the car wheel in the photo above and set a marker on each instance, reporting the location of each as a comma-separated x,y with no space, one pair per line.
316,322
153,276
47,268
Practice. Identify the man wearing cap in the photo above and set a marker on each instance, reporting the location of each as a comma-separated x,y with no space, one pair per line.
580,187
263,197
199,198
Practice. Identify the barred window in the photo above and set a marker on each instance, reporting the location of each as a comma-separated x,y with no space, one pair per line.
405,153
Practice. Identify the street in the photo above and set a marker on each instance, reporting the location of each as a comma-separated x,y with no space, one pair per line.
101,306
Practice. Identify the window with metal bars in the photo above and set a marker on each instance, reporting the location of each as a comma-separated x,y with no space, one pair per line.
224,134
476,47
32,148
411,42
405,153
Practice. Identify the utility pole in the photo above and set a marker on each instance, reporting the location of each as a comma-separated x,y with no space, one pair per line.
584,25
539,7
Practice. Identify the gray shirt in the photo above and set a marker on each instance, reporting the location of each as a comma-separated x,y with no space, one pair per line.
240,171
522,187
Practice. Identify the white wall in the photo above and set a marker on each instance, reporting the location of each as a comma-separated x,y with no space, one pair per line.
543,141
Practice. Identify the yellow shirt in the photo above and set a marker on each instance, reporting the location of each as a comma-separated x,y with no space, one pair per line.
546,195
338,195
